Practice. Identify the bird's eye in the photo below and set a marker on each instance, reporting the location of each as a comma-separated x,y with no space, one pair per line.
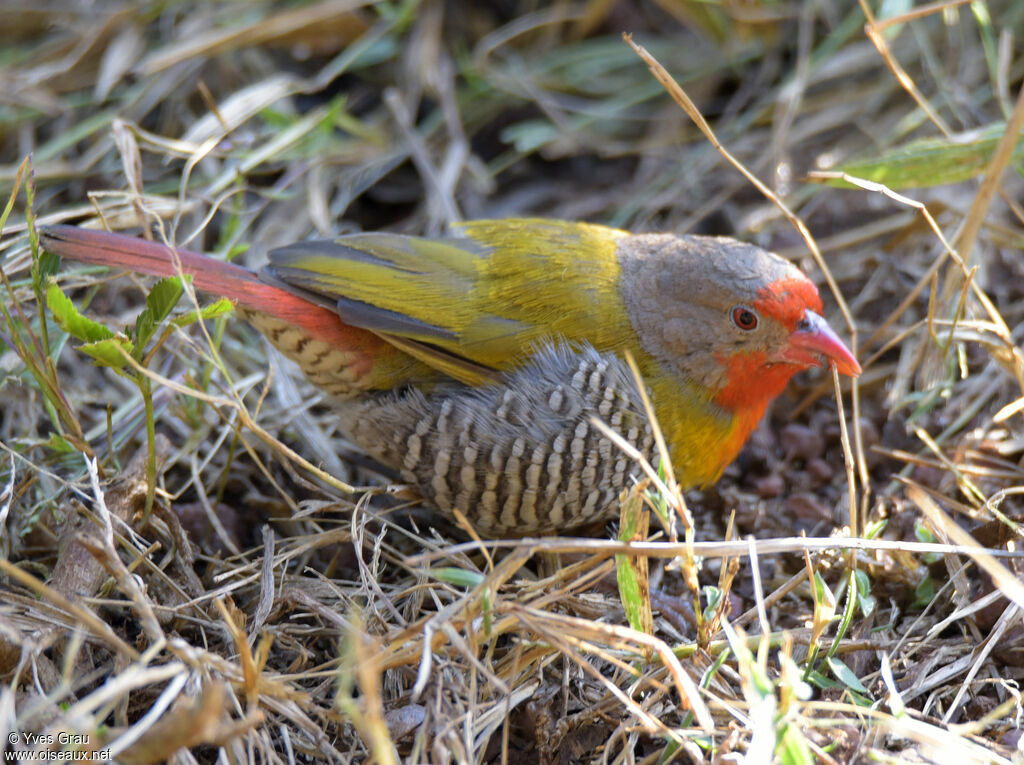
744,318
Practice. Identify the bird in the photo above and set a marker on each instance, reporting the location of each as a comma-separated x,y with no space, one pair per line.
475,363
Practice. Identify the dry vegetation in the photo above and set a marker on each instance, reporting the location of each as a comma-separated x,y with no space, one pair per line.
257,613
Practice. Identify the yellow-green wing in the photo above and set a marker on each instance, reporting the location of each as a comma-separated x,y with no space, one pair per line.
466,304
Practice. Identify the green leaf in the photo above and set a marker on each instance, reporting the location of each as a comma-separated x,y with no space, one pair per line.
629,592
819,680
762,682
844,674
108,352
865,599
211,311
631,572
659,500
669,752
924,593
929,161
712,598
792,748
144,326
60,444
44,267
160,301
460,577
875,528
924,534
824,607
826,600
70,320
860,699
164,296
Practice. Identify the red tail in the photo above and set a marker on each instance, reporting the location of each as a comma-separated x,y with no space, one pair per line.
215,277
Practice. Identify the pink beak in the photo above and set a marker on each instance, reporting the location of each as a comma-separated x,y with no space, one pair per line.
814,341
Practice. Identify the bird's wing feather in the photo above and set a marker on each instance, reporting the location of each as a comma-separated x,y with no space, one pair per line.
487,299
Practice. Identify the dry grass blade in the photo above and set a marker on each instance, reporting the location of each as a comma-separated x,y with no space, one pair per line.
1008,584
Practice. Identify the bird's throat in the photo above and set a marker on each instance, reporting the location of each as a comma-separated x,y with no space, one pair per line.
752,382
705,435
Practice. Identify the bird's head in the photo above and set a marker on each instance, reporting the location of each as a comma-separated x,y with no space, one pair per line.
736,321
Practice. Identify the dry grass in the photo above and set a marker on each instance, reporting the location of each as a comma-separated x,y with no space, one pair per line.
250,610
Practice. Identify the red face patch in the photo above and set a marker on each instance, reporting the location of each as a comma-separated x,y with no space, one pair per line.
785,300
752,382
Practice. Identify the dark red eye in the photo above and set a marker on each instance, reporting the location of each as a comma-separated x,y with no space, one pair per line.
744,318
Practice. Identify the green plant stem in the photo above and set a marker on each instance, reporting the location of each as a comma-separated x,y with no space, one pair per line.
146,388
